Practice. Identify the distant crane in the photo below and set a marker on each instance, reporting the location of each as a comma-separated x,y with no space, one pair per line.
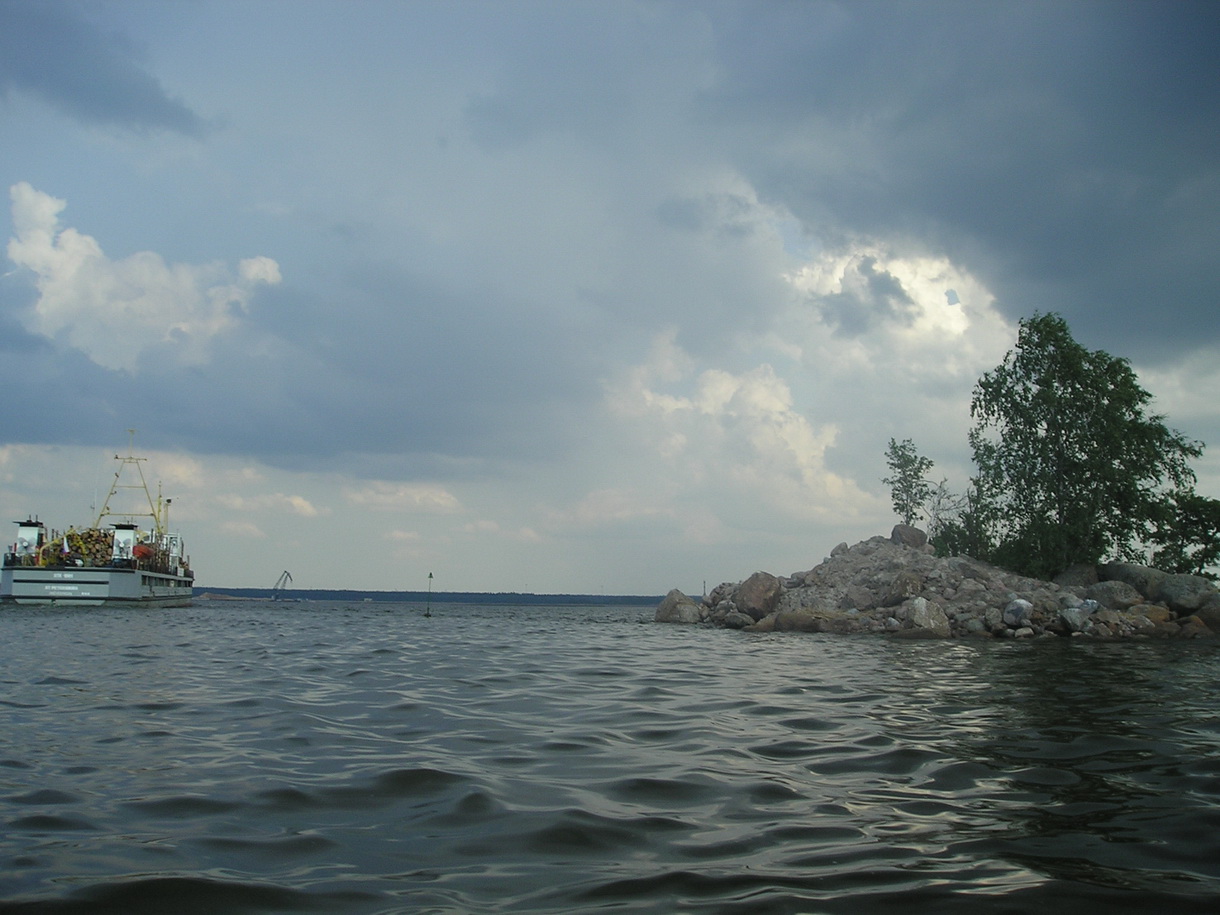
281,585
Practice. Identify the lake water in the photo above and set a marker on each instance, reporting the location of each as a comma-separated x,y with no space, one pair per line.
259,757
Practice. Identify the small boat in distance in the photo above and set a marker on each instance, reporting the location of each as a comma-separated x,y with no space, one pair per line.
127,564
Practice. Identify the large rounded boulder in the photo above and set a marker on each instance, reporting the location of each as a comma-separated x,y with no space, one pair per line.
676,607
759,595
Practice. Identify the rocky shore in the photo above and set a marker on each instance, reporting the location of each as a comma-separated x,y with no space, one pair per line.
896,585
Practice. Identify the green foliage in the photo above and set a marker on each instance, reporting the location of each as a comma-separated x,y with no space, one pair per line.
959,525
1186,531
944,509
1071,467
909,489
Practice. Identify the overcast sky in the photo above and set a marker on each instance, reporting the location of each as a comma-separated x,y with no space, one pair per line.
576,296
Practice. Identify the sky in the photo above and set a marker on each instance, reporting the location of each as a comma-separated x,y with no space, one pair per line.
576,297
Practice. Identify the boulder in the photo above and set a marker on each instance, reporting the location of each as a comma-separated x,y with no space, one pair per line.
1192,627
795,621
735,619
905,585
676,607
1017,612
1075,619
1154,612
766,624
1114,595
1142,578
858,597
928,618
1209,613
1080,575
993,617
976,627
905,535
1183,593
842,624
758,595
804,599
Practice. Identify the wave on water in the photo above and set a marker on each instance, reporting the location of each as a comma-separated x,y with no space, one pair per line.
249,757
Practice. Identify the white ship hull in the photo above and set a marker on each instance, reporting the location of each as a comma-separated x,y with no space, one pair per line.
94,587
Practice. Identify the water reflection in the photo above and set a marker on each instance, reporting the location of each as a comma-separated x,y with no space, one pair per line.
1077,753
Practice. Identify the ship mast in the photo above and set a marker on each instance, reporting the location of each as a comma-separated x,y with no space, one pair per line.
154,510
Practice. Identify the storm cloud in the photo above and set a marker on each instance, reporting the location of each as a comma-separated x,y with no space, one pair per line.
577,297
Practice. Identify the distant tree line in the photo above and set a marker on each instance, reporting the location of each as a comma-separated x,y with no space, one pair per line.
1070,467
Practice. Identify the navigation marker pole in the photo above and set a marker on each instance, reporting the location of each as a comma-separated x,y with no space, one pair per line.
428,609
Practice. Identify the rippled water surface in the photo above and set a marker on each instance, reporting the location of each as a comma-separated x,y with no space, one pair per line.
257,757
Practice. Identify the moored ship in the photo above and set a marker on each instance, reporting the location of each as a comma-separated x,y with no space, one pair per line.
123,562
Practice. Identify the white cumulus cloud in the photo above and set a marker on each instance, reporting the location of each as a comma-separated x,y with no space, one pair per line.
727,432
114,311
380,495
269,502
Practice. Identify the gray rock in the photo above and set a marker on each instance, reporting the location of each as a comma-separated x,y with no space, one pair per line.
842,625
736,620
1209,613
1017,612
759,594
1114,594
994,617
928,616
676,607
805,599
1192,627
905,535
795,621
1142,578
905,585
1081,575
1183,593
859,597
1075,619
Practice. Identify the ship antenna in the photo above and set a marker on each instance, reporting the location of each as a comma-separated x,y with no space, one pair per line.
154,511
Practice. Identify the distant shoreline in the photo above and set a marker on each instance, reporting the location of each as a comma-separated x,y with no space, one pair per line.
436,597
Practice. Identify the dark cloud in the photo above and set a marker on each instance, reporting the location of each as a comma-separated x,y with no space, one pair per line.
49,53
402,372
589,70
530,99
723,214
869,296
1065,152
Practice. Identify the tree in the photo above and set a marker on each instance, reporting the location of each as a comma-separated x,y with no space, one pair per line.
1071,467
957,524
908,488
1187,532
967,529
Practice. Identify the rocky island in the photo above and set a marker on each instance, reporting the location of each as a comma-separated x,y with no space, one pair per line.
897,585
